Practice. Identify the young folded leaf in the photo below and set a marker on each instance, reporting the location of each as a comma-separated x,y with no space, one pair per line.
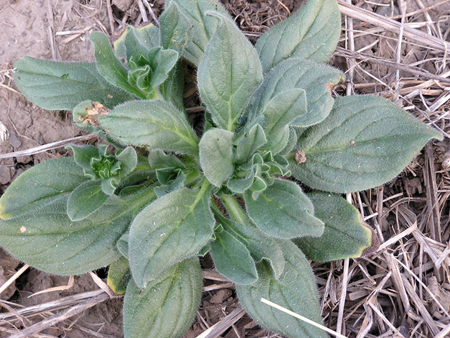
315,38
365,142
294,290
283,211
167,306
109,66
228,73
344,236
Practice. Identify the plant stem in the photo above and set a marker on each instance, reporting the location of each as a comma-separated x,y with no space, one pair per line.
234,209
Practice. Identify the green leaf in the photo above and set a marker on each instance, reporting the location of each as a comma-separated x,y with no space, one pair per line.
159,160
316,79
61,86
167,306
49,241
232,259
250,141
39,186
175,28
109,66
365,142
283,211
278,114
172,89
147,36
228,73
344,235
201,26
154,123
85,199
311,33
165,61
260,246
216,155
294,290
173,228
119,276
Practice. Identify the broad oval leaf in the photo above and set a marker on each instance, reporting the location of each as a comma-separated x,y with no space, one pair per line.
232,259
201,26
216,155
314,78
173,228
282,210
174,28
365,142
49,241
344,236
228,73
85,199
62,86
41,185
294,290
167,306
154,123
310,33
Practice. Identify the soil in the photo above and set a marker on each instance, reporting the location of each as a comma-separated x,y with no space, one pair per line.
59,30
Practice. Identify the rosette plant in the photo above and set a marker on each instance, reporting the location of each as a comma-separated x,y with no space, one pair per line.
167,195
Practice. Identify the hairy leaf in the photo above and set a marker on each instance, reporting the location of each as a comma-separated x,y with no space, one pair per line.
310,33
365,142
228,74
216,155
147,36
119,276
109,66
173,228
50,181
232,259
315,79
278,114
344,235
154,123
260,245
167,306
49,241
201,26
283,211
61,86
294,290
85,199
250,141
175,28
